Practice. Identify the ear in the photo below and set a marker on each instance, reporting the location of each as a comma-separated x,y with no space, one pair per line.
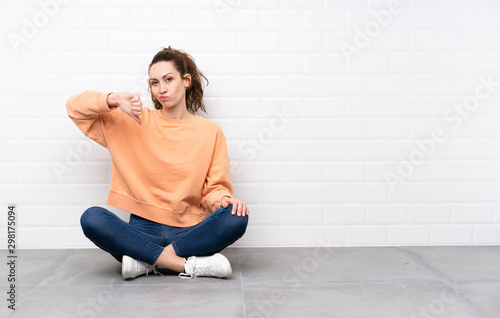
187,80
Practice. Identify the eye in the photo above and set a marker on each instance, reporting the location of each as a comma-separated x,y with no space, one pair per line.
169,79
153,83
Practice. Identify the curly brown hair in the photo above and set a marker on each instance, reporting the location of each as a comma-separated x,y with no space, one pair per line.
184,64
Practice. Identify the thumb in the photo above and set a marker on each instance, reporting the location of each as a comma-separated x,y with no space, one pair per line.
224,202
137,119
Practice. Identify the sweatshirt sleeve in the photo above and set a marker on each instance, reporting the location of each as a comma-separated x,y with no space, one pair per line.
88,111
218,181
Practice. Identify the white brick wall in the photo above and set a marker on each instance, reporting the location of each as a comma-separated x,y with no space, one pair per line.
360,93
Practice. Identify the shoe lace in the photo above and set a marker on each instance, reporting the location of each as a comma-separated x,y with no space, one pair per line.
152,268
196,269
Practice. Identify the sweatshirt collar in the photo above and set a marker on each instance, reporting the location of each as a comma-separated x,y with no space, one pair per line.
177,122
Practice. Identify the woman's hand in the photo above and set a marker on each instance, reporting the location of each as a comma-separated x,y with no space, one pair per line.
129,103
239,207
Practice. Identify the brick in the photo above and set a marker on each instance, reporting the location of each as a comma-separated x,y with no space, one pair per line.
320,63
237,64
434,171
88,40
282,64
367,107
345,171
388,128
366,193
353,85
412,63
22,194
302,214
10,173
65,194
258,85
214,42
432,85
456,62
367,150
405,192
271,236
325,19
326,193
433,41
391,41
31,238
487,191
281,19
41,216
98,193
281,193
301,85
107,18
409,235
411,106
302,41
322,236
475,40
430,213
369,63
473,170
221,86
452,192
258,172
346,128
238,19
414,19
452,235
236,108
345,214
324,107
265,215
68,237
248,193
488,64
389,85
488,18
367,235
387,214
455,18
20,151
473,213
487,234
302,172
324,150
258,41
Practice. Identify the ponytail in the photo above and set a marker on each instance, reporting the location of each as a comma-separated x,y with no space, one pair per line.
184,64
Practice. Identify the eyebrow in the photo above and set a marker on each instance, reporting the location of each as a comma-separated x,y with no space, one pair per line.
151,79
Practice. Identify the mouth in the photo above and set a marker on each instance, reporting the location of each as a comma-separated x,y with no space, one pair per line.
163,98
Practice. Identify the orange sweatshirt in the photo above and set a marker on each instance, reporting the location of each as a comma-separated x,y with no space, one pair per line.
166,170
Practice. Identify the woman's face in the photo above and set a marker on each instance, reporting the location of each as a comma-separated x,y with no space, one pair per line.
167,85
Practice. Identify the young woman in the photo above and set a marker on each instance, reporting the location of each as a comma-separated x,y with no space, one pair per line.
169,166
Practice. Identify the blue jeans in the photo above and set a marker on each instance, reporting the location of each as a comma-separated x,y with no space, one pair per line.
145,240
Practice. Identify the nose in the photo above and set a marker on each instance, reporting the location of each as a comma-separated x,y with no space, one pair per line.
163,87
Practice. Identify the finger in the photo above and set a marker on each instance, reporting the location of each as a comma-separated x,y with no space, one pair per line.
235,207
137,119
135,98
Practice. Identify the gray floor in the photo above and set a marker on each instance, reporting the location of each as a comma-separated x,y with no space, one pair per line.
266,282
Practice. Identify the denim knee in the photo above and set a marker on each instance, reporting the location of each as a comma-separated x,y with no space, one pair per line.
237,224
91,219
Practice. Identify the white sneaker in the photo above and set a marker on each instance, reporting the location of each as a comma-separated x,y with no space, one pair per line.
216,265
131,268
